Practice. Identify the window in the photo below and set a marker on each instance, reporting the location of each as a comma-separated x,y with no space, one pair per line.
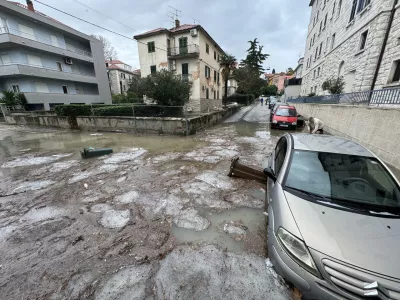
207,49
351,178
319,72
26,32
65,89
363,40
311,89
215,94
315,89
280,153
320,27
107,65
333,41
207,93
5,59
124,87
353,10
207,71
320,49
41,87
15,88
315,74
316,53
396,71
218,57
339,7
215,55
151,47
362,4
218,77
326,19
153,69
215,76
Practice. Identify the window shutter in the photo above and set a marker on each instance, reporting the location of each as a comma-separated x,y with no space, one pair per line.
353,10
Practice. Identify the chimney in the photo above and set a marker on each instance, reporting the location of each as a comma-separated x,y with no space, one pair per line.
30,5
177,23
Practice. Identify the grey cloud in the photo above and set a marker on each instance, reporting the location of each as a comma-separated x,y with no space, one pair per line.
279,25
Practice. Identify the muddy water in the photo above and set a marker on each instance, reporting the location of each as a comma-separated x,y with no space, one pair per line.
72,142
252,218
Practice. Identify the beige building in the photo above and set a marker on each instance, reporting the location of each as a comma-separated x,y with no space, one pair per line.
356,39
119,76
188,51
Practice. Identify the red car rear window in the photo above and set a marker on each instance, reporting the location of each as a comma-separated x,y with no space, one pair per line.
286,112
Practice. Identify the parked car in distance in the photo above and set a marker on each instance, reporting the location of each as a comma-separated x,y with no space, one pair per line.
284,117
333,218
272,101
273,109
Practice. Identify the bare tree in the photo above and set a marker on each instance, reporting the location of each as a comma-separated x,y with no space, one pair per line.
109,50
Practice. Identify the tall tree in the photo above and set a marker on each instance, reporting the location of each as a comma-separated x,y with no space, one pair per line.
109,50
255,58
227,64
289,71
273,71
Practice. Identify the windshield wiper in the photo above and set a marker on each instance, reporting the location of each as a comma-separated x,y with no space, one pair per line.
310,194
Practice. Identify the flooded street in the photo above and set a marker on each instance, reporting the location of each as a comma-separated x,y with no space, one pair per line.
157,219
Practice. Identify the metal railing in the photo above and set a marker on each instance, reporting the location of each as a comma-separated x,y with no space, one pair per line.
56,44
92,74
186,77
189,49
376,97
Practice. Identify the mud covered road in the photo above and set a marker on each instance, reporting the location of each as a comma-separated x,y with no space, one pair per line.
157,219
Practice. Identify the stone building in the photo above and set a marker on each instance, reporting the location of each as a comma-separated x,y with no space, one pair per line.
356,39
120,75
190,52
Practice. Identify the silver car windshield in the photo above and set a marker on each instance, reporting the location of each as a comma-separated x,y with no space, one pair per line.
347,178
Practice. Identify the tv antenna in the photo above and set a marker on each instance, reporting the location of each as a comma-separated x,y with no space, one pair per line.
176,12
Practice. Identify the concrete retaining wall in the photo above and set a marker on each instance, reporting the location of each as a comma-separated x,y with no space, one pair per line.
151,125
375,128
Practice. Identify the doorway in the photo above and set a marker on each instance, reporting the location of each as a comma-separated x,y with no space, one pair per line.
183,47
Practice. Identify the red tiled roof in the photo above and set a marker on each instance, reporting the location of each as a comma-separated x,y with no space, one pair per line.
115,67
115,61
37,12
183,27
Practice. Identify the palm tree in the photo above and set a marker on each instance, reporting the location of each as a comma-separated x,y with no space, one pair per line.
227,64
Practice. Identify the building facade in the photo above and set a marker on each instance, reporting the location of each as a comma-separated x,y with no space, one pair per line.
190,52
49,62
277,79
356,39
298,72
120,76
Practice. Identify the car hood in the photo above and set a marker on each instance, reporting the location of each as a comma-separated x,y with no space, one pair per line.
368,242
285,119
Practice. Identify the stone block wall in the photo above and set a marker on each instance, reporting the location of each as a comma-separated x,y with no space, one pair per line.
347,44
373,127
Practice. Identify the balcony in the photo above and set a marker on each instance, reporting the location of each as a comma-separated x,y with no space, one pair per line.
186,77
188,51
48,42
293,81
13,69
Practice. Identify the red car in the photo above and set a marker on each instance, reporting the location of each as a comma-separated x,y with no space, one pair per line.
285,117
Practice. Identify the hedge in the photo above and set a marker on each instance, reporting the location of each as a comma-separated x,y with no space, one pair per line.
73,110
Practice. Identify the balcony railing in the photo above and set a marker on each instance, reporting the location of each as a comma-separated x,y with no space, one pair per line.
183,51
186,77
92,74
56,44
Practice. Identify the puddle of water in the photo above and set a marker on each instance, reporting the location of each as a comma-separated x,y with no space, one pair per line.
252,218
75,141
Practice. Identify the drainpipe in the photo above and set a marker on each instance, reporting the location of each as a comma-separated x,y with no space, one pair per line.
378,66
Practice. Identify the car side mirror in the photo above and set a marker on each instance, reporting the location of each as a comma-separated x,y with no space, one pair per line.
270,173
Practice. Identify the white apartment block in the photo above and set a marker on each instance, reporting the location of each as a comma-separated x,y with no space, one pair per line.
188,51
356,39
120,76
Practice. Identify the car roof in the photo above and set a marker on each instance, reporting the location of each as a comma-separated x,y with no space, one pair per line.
328,143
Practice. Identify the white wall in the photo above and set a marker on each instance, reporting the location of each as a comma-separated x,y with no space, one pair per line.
158,58
291,92
346,46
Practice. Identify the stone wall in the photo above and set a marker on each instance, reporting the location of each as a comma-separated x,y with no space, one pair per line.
150,125
344,57
372,127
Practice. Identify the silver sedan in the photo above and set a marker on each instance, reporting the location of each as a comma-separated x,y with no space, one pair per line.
333,219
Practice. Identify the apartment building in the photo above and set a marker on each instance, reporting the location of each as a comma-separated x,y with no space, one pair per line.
277,79
356,39
48,61
190,52
120,76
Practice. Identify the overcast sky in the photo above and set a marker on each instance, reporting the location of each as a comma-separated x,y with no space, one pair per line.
279,25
